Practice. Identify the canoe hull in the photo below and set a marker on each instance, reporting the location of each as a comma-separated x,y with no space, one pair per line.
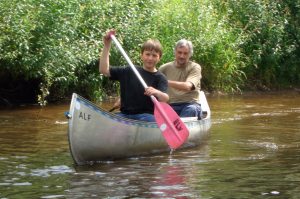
97,135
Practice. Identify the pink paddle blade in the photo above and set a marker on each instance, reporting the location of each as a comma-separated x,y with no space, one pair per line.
173,129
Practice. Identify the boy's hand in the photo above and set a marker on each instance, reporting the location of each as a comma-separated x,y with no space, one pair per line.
107,38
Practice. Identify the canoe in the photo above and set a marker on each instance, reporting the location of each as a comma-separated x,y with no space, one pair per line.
96,135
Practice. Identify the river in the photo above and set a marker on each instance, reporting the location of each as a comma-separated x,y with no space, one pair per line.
253,151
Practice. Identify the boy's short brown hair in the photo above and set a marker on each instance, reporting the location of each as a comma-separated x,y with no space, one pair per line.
152,45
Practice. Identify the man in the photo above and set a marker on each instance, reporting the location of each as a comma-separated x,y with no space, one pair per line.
135,99
183,81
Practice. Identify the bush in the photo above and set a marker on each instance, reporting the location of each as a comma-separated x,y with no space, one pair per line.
239,44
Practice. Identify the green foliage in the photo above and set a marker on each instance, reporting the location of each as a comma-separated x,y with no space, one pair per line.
54,40
239,44
271,42
215,41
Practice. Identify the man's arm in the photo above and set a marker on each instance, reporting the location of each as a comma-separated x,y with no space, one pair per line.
183,86
192,80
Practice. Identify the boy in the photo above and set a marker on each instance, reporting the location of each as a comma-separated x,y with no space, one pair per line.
135,101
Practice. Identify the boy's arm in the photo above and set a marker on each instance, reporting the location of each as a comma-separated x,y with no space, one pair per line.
104,58
161,96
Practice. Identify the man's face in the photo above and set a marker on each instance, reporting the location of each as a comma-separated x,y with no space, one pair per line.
182,55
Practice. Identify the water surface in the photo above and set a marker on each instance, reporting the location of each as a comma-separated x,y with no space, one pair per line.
253,151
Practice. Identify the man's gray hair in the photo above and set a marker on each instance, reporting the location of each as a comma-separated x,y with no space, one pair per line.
186,43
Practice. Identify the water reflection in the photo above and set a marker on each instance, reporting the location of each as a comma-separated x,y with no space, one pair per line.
171,183
161,176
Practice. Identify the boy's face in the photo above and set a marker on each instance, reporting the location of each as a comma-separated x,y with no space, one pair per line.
150,58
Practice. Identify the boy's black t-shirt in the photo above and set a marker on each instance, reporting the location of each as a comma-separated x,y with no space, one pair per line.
133,100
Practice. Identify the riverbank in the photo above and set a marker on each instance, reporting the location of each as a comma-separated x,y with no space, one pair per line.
8,103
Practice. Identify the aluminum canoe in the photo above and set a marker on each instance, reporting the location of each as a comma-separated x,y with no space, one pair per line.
97,135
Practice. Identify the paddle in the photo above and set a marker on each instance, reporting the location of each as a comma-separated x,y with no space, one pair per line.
116,105
173,129
112,109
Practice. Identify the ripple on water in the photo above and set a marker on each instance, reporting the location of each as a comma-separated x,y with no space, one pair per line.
270,114
22,184
61,169
61,122
270,146
53,196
